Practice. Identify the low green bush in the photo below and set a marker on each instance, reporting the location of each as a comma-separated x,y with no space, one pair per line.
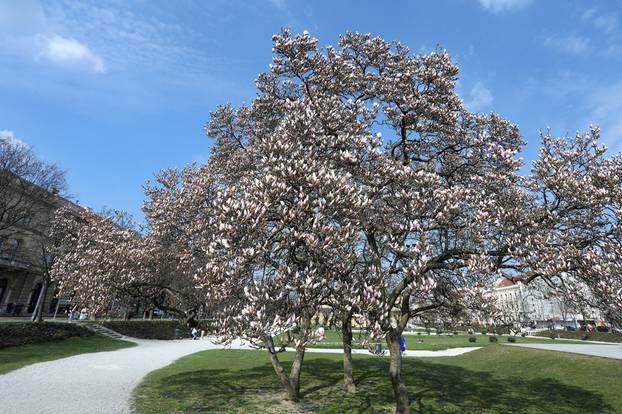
511,339
472,339
492,339
148,329
21,333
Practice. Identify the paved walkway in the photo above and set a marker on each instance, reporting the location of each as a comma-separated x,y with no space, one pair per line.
606,351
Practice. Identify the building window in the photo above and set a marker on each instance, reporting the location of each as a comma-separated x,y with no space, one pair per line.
15,244
3,288
34,297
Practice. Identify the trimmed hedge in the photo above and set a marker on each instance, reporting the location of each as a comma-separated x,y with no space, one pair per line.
492,339
21,333
148,329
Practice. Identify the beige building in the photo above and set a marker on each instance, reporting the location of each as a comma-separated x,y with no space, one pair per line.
22,256
531,305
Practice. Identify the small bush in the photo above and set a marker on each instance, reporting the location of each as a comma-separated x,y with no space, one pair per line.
472,339
492,339
484,332
455,332
418,333
21,333
511,339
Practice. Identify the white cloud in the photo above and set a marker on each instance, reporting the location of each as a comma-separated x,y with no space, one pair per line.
280,4
574,45
8,135
62,50
480,97
605,22
5,133
106,36
498,6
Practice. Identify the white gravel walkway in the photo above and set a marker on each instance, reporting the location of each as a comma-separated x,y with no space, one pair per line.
102,382
416,354
606,351
92,383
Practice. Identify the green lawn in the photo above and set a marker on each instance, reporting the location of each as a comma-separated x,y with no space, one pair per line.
15,357
495,379
428,342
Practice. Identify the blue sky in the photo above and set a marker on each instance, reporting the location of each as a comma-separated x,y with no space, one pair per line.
113,90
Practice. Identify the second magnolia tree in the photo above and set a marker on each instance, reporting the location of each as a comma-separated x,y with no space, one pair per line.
358,181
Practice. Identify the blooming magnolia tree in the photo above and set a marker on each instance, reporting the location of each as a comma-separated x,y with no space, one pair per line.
357,179
286,227
428,192
101,262
570,235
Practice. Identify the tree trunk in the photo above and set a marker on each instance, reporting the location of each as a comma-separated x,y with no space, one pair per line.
37,315
291,383
402,403
285,380
346,332
294,372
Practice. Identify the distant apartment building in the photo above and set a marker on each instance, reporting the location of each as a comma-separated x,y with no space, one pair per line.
532,305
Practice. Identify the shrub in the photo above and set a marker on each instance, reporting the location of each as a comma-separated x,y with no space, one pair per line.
455,332
492,339
21,333
472,339
511,339
154,329
484,332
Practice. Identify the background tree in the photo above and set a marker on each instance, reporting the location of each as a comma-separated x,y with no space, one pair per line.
570,234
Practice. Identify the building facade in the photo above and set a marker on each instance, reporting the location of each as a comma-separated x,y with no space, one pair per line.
22,256
530,305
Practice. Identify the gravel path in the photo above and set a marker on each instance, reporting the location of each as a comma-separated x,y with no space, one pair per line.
102,382
606,351
92,383
415,354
